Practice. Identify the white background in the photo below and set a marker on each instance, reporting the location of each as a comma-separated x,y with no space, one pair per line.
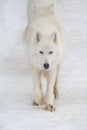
16,110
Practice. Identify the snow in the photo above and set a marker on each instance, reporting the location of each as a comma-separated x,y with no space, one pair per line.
16,110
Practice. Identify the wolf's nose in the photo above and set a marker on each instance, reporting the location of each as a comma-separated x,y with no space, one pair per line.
46,65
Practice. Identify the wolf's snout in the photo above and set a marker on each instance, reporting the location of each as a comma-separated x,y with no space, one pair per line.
46,66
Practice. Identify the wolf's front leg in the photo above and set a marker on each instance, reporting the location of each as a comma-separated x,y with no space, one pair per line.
51,77
38,97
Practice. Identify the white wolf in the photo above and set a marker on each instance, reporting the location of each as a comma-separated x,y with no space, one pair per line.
45,43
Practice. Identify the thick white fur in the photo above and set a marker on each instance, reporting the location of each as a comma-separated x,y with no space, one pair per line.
45,8
44,33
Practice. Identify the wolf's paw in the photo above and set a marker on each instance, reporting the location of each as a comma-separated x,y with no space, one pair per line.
49,107
39,101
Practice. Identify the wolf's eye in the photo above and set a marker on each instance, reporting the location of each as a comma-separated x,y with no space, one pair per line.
50,52
41,52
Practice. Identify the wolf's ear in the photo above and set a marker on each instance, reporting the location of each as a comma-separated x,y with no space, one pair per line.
38,36
54,36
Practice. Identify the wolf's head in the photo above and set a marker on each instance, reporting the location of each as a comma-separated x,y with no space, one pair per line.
45,51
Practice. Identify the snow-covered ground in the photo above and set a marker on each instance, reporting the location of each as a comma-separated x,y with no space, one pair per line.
16,110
